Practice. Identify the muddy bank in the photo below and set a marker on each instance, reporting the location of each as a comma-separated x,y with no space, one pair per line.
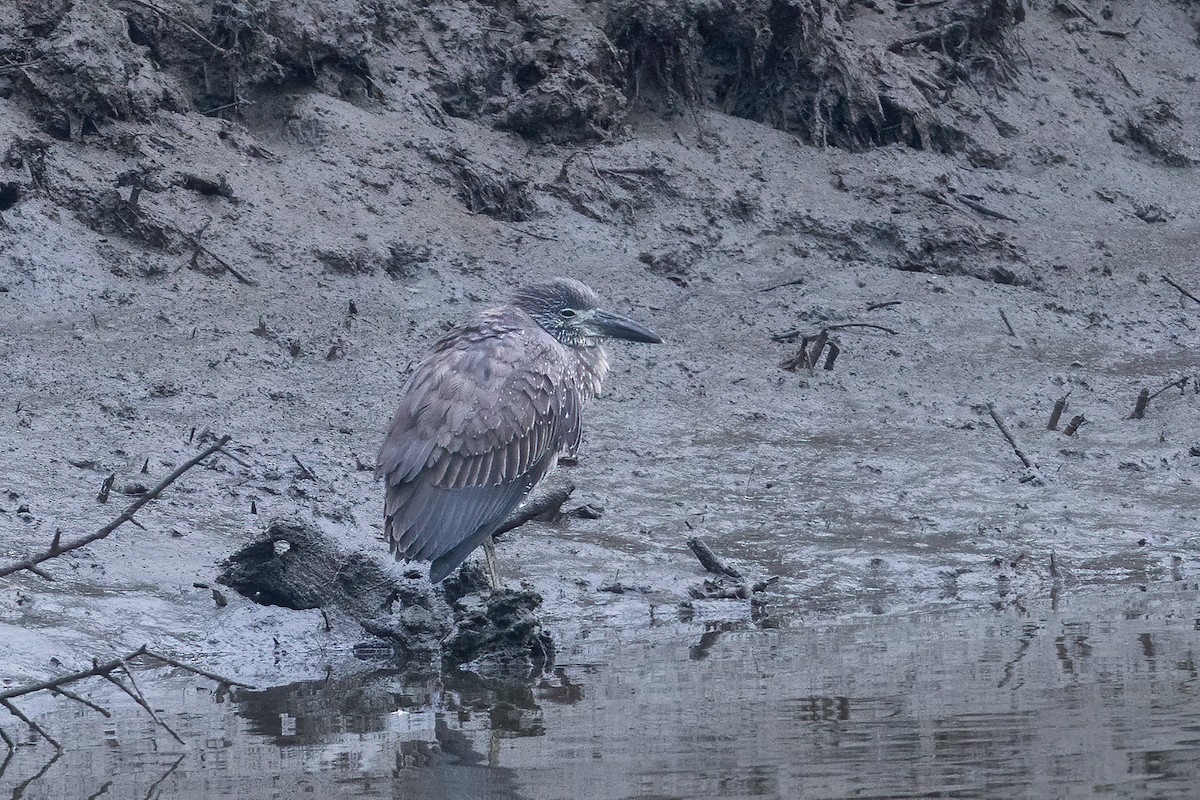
252,223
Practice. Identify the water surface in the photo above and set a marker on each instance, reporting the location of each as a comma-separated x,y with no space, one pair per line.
1094,695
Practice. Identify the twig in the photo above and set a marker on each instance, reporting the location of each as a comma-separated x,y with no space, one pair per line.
57,548
789,336
104,670
710,560
976,205
104,712
792,282
1035,475
203,673
139,698
38,729
165,15
199,248
1181,383
1181,290
174,766
888,304
19,789
548,503
524,232
1007,324
305,472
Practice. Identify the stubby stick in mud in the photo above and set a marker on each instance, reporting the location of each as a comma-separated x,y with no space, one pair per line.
487,415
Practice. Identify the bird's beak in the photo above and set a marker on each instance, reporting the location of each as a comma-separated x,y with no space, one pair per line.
613,325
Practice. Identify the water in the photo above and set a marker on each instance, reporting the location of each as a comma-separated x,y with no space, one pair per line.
1094,695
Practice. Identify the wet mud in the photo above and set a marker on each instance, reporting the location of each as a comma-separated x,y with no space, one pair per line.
881,240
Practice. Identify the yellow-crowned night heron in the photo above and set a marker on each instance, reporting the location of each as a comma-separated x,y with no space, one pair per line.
486,415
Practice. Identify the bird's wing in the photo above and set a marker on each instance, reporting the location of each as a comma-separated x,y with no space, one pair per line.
481,422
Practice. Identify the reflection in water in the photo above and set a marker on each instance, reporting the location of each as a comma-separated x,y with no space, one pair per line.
1094,696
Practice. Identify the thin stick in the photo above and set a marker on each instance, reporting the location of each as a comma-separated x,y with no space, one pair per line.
126,515
67,693
224,264
1181,383
982,209
165,775
189,668
16,712
1181,290
305,472
1008,324
1035,475
141,701
61,680
792,334
792,282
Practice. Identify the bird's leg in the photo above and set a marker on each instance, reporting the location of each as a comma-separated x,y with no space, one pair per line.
489,558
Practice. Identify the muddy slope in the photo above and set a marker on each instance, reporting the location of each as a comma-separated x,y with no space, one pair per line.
240,219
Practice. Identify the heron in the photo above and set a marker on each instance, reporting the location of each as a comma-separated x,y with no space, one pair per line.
486,416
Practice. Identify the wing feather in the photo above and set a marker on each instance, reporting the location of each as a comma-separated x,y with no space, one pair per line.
477,428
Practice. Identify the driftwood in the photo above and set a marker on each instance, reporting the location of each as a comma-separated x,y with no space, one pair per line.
1035,476
710,560
296,565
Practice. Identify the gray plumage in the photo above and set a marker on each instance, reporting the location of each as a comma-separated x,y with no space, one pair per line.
486,415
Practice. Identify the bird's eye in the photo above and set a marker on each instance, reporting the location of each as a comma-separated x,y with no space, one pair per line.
567,312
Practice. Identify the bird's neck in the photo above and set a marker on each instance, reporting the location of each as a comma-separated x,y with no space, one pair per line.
591,365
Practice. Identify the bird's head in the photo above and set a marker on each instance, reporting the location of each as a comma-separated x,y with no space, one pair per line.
571,313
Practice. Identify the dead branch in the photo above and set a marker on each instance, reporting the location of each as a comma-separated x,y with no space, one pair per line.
790,336
137,696
1180,289
1181,383
198,248
57,548
710,560
792,282
38,729
1035,475
1008,324
101,670
976,205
